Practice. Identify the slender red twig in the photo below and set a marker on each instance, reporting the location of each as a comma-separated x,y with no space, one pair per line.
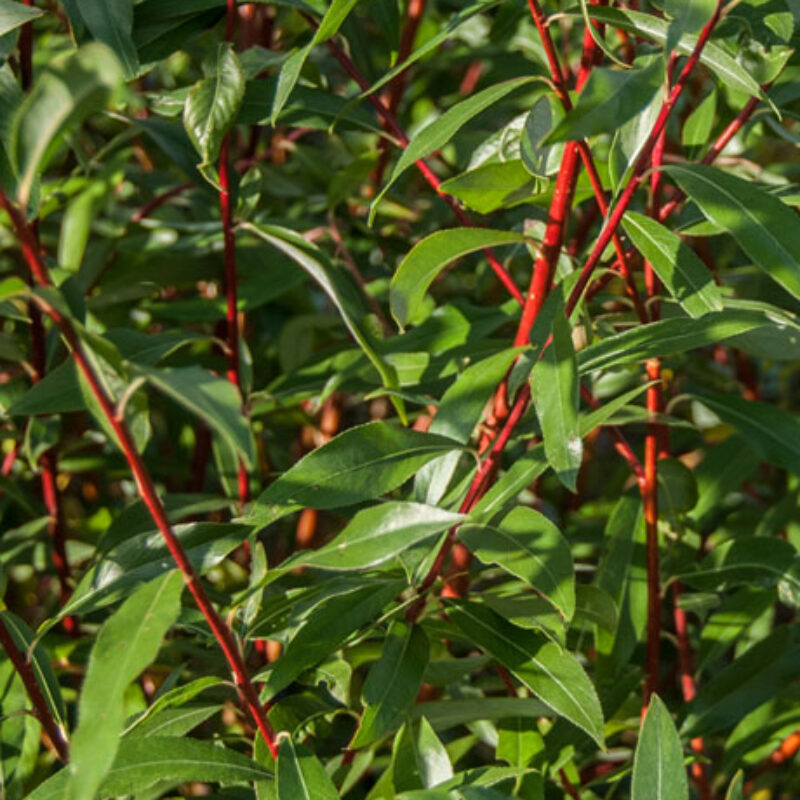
34,692
394,128
615,217
144,481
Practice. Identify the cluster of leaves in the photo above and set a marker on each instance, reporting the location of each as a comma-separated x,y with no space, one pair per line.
277,403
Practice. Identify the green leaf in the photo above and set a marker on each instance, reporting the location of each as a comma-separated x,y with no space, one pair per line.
732,74
212,105
72,88
658,770
126,644
41,667
111,22
443,128
459,411
429,257
699,124
540,161
300,775
327,627
554,389
175,721
145,556
14,15
666,337
214,400
736,787
419,759
550,672
290,70
339,289
360,464
609,99
772,432
526,544
393,683
675,263
378,534
143,762
492,186
687,16
763,226
752,679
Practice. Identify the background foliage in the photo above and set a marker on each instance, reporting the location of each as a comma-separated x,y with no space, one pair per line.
399,399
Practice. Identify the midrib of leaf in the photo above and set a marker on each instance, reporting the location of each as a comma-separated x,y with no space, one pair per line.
735,201
533,555
588,726
185,762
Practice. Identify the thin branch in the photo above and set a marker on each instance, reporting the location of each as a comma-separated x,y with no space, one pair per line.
23,667
143,480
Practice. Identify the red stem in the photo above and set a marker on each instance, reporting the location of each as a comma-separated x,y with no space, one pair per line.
642,162
394,128
144,482
40,709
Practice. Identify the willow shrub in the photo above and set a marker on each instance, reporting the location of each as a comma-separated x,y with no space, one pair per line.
399,399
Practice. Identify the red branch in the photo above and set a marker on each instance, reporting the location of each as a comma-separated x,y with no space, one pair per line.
144,481
40,709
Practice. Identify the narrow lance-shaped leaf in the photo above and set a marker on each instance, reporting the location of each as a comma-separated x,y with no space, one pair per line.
554,386
550,672
686,277
360,464
14,15
419,759
443,128
377,534
772,432
687,16
609,98
763,226
168,761
300,775
658,770
526,544
211,398
111,22
72,88
212,105
340,291
429,257
393,683
127,643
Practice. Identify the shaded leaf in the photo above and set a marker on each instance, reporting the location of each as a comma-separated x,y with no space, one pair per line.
300,775
111,22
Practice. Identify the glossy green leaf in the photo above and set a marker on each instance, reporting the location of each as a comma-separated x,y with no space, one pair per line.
699,124
13,15
554,389
212,105
676,264
142,762
378,534
658,770
728,69
111,22
609,99
492,186
339,289
443,128
551,673
300,775
126,644
74,87
393,683
326,629
429,257
143,557
419,759
528,545
764,227
666,337
772,432
686,16
175,721
213,399
360,464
